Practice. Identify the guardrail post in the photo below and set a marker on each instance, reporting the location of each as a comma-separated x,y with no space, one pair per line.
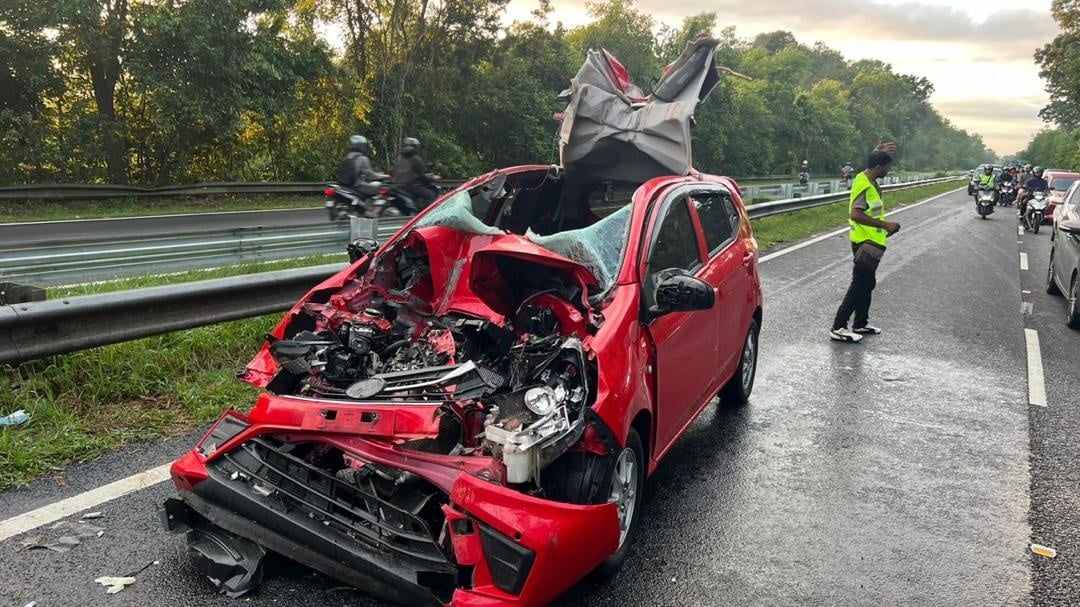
12,293
787,190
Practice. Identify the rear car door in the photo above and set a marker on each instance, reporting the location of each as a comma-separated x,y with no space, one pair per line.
727,269
685,342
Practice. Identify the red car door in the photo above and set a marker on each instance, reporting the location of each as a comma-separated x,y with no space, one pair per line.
685,342
728,270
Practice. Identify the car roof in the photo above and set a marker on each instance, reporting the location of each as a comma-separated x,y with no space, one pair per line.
1051,173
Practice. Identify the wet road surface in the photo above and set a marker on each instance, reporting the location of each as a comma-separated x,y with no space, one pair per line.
893,472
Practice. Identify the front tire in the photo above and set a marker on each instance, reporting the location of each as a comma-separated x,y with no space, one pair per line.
1074,305
627,481
737,391
1035,226
1051,283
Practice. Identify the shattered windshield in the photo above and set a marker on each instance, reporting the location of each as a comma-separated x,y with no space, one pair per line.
457,213
598,247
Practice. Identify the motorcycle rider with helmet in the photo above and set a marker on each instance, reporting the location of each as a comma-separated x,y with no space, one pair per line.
412,176
355,171
1036,183
987,182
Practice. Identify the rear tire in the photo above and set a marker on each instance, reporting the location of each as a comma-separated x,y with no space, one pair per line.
737,391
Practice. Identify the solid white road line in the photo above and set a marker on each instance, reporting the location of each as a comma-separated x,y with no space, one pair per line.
1036,380
813,241
1023,261
83,501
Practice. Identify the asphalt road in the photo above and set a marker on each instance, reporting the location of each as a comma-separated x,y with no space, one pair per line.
893,472
13,234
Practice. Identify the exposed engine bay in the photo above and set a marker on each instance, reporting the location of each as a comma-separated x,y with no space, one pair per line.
501,350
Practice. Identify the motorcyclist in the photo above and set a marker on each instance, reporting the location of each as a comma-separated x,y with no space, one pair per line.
987,182
355,171
412,176
1035,183
804,172
847,172
1005,178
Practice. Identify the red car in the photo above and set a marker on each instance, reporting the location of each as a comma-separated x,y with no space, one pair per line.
1059,182
467,414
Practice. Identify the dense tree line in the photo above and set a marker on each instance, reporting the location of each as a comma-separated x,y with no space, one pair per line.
1059,147
169,91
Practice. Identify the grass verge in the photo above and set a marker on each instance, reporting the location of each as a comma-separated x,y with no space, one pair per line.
52,210
789,227
87,403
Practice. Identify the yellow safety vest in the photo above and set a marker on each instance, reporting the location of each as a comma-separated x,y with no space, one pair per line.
876,209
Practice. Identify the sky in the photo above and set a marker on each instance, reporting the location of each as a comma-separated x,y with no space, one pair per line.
978,53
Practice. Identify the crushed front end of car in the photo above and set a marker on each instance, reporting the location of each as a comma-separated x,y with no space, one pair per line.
421,411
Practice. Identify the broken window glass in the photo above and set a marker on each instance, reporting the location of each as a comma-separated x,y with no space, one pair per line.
599,247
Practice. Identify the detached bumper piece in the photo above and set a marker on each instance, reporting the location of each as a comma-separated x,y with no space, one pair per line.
262,493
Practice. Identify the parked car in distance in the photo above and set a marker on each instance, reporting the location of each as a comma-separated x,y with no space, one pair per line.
1063,274
1059,181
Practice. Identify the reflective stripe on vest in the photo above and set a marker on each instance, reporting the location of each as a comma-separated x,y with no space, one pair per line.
876,210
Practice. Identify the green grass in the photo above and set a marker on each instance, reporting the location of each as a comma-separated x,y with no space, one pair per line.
790,227
49,210
150,280
87,403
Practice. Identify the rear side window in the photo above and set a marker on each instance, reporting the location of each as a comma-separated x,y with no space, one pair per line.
719,219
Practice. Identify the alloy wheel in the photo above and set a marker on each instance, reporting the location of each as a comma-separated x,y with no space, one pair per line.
624,486
749,360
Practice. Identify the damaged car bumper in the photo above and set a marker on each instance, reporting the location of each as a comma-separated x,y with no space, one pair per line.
415,528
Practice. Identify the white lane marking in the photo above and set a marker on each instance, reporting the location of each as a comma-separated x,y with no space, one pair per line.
1027,308
1023,261
83,501
1019,230
823,237
1025,292
56,511
1036,380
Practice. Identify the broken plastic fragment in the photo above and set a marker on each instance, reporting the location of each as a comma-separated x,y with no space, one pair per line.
1044,551
115,584
92,515
64,536
16,418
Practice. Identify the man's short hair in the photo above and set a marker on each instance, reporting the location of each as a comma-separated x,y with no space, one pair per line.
878,159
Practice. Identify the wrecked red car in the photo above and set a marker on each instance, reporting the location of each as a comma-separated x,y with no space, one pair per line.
466,414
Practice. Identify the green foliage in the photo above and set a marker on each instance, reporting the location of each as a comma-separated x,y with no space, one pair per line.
1055,148
156,91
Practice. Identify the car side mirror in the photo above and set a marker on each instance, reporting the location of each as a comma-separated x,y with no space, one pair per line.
361,247
1072,226
679,291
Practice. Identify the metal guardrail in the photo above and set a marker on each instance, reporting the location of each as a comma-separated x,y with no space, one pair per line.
34,330
67,191
37,329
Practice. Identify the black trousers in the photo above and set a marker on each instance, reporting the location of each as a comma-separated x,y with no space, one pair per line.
857,299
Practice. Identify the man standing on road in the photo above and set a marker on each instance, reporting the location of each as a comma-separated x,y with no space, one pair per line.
869,233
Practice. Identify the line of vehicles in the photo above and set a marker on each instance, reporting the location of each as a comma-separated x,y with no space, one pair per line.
1054,201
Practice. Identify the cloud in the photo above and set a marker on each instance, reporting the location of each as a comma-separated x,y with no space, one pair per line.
993,109
1004,35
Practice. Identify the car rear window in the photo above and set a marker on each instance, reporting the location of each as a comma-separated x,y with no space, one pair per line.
1061,184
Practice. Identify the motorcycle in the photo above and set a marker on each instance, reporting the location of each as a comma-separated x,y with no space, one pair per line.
1007,193
804,177
386,201
1036,211
342,202
845,177
985,199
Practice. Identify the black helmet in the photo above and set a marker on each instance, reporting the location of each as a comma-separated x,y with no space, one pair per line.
358,143
1038,171
411,144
